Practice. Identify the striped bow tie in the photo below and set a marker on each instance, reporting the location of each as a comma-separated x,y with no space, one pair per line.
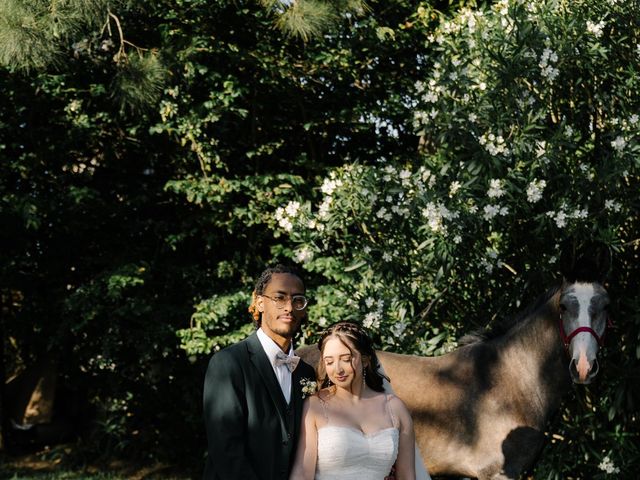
290,362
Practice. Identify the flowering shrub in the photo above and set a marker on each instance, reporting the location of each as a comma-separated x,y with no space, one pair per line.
529,128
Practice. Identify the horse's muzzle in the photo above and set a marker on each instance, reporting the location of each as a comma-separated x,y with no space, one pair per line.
586,377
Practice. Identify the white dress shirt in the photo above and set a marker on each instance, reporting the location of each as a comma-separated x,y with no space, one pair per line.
283,374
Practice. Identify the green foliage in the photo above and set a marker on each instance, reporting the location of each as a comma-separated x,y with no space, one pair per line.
529,140
210,328
150,173
119,216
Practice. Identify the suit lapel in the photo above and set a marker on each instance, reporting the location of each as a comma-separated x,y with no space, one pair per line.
296,393
296,389
260,360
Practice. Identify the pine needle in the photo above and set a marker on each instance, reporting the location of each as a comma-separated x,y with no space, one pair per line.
139,83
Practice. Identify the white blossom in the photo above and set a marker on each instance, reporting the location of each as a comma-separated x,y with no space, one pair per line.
292,208
436,214
490,261
283,220
430,97
496,189
535,189
595,28
386,256
495,145
371,320
578,213
398,328
454,187
323,209
547,58
491,211
329,186
607,466
405,175
304,255
560,218
619,143
612,205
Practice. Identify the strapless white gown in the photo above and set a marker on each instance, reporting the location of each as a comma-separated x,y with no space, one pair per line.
345,453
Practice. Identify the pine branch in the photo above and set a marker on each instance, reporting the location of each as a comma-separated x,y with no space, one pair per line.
307,19
34,34
139,82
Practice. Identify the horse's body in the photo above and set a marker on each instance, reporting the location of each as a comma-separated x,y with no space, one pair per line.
481,410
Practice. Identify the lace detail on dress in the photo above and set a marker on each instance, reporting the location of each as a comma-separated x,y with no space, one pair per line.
347,453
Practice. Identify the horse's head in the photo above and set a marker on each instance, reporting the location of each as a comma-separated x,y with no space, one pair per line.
583,320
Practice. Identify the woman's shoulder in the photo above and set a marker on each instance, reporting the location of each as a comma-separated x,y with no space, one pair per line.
397,405
315,406
317,399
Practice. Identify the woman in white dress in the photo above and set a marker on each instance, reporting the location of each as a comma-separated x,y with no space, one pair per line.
352,429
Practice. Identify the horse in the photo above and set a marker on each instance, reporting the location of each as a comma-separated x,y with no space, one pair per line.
480,411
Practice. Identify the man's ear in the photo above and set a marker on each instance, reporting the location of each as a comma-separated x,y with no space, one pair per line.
260,303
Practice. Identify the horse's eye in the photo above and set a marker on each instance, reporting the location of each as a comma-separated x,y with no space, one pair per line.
563,307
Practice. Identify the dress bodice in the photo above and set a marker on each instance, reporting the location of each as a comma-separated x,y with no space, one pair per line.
347,453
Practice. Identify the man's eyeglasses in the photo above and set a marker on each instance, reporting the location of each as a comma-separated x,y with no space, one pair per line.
298,302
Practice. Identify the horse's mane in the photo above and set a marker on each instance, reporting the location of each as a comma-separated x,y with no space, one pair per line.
505,324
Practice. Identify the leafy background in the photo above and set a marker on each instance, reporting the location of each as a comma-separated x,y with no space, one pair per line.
427,165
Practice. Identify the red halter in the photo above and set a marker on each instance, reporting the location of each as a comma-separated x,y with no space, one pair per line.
566,339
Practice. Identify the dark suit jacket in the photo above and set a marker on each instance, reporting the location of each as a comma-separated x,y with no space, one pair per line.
252,433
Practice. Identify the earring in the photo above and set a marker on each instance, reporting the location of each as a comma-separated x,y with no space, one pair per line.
364,376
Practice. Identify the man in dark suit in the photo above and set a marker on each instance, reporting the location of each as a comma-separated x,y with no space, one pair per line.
253,389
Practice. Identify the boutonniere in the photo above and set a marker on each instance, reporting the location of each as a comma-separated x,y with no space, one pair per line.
309,387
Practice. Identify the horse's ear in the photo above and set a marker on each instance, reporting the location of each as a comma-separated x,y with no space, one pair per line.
585,263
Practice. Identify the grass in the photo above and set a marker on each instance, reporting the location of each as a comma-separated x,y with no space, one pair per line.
54,465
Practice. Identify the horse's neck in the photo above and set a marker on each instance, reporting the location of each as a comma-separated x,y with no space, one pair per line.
536,361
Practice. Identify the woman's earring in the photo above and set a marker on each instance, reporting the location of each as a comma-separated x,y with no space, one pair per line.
364,376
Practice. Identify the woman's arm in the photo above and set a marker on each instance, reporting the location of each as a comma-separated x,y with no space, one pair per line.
304,467
405,463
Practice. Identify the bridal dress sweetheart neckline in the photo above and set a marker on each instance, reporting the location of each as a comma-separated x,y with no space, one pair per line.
347,453
372,434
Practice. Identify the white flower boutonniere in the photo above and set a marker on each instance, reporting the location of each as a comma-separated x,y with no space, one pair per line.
309,387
